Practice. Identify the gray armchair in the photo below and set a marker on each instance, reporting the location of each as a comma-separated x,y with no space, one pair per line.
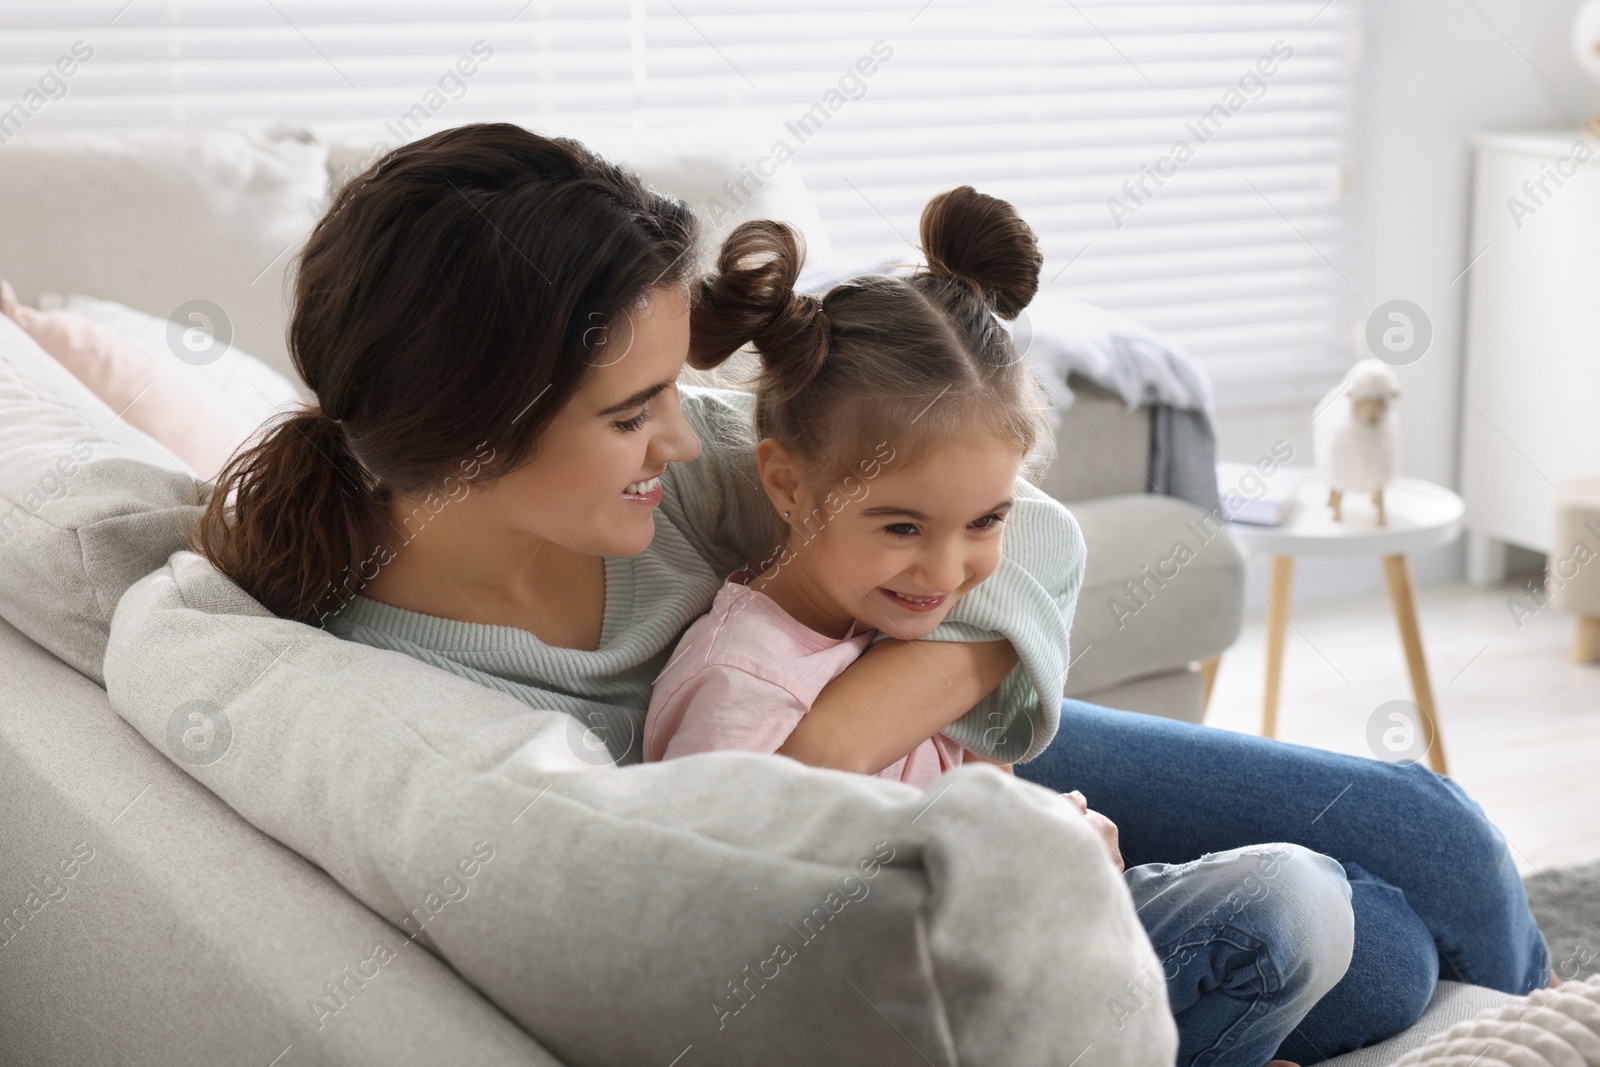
1163,589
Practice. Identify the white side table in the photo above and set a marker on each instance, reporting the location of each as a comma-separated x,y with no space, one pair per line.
1420,515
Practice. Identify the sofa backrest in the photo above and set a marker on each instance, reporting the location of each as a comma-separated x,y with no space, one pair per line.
203,224
199,225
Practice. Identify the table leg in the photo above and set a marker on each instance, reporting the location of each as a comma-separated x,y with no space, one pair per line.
1208,671
1277,630
1398,577
1585,641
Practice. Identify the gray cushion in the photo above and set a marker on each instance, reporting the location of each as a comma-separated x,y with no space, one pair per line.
1187,605
657,884
158,219
1175,694
1102,447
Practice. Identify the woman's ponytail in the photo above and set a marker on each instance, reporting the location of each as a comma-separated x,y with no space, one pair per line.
750,299
293,511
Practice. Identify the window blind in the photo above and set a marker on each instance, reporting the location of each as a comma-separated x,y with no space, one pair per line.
1181,162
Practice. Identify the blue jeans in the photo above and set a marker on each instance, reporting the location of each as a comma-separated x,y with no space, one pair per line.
1423,861
1249,941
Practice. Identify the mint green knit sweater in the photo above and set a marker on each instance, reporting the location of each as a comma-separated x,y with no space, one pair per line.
713,517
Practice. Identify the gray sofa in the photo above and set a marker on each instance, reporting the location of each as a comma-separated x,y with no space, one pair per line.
216,915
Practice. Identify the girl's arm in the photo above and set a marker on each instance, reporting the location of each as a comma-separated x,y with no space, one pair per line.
894,697
990,676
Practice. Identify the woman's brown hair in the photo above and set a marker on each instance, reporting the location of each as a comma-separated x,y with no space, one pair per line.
445,309
914,362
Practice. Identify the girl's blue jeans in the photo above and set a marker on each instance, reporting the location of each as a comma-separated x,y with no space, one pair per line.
1433,891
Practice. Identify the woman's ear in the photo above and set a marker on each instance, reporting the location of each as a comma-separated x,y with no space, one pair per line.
780,476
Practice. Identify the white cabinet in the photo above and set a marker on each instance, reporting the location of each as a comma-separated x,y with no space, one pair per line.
1531,411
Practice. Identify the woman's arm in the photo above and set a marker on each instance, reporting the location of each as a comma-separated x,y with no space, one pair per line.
1029,600
716,500
894,697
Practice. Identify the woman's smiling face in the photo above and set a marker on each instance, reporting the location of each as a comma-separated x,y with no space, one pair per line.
593,487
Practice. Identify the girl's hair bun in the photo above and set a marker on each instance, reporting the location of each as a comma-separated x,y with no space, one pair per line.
750,299
983,243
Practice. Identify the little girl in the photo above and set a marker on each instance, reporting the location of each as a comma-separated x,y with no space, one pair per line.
893,420
894,417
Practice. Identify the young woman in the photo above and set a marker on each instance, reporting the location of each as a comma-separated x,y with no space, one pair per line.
500,478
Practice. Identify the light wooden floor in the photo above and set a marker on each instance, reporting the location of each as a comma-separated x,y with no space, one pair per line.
1521,724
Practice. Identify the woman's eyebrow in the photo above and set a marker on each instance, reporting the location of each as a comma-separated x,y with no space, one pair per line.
643,396
917,516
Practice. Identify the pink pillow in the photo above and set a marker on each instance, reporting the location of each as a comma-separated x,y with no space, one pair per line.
148,389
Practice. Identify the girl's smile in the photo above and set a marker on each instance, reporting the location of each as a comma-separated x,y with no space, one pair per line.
911,603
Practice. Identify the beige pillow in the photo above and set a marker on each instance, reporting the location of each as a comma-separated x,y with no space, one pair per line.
755,909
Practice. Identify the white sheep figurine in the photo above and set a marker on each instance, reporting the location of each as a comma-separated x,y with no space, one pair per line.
1356,439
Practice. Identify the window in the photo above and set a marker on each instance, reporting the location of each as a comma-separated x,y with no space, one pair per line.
1182,162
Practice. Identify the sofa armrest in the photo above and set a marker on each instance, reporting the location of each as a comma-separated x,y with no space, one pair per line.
167,930
1163,586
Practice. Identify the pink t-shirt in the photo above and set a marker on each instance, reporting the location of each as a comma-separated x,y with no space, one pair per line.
743,676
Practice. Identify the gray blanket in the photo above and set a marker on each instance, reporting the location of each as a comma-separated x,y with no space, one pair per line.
1065,338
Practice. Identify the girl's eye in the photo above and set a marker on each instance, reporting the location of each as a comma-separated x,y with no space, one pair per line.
989,522
901,529
630,425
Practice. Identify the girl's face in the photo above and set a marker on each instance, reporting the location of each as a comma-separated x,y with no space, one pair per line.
894,550
594,487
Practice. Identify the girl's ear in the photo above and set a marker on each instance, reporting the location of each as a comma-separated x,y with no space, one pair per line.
780,476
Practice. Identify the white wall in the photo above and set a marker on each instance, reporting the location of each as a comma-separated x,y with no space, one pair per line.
1431,73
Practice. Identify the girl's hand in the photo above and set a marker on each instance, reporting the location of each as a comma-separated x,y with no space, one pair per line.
973,757
1102,825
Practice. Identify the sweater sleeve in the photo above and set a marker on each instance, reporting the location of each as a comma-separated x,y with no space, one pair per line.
725,709
1029,600
718,501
